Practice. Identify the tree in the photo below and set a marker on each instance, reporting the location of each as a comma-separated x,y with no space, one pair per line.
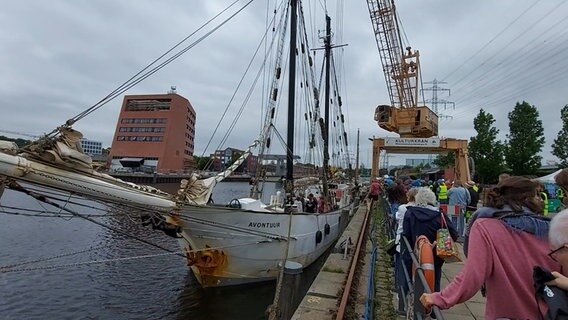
234,157
560,145
445,160
20,142
485,150
526,139
201,162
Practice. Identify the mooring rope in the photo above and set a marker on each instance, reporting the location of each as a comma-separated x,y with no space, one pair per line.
87,262
68,254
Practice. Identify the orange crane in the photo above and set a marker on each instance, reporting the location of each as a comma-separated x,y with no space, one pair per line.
401,67
402,75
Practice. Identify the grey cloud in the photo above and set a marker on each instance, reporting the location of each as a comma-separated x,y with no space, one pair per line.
60,57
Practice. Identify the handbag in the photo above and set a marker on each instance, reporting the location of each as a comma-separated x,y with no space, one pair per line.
446,248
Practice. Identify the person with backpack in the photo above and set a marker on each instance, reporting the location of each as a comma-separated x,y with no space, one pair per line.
506,240
424,218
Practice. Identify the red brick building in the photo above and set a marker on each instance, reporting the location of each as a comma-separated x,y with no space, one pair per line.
154,133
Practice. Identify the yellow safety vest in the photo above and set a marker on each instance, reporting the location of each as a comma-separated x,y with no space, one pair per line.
544,197
443,194
475,188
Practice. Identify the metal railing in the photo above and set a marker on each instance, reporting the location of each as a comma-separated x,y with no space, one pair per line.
414,285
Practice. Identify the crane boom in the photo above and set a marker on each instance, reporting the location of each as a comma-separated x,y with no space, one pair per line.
401,68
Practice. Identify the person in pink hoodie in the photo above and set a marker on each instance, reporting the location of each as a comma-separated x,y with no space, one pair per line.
506,241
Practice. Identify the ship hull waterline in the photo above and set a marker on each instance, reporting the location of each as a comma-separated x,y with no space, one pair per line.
234,247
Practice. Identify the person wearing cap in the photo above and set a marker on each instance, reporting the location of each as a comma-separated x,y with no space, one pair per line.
474,199
442,192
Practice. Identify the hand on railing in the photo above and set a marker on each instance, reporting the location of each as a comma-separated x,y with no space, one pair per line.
426,300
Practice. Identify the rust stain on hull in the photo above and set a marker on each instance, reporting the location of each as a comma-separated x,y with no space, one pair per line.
211,263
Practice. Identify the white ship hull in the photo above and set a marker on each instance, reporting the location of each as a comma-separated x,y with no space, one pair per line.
246,246
224,246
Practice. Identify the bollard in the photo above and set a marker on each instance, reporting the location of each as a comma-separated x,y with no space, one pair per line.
290,285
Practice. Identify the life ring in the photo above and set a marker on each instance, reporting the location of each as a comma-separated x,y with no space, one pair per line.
425,254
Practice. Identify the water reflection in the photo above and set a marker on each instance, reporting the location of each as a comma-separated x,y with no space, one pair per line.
151,288
238,302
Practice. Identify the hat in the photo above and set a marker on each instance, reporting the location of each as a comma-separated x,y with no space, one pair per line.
470,183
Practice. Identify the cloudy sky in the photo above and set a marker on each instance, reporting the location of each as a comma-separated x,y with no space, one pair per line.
60,57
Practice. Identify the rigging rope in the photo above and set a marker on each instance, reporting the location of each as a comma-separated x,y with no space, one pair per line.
42,198
11,266
490,41
75,264
42,213
140,76
262,41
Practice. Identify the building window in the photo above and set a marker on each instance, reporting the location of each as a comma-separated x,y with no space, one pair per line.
142,129
139,138
144,120
148,105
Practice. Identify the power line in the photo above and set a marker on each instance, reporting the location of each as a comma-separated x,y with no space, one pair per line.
435,101
490,41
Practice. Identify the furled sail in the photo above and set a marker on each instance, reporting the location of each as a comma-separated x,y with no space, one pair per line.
65,150
198,191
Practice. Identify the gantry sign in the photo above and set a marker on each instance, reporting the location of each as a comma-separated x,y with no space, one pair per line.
423,146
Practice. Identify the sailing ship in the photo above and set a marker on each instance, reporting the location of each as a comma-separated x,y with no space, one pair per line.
241,242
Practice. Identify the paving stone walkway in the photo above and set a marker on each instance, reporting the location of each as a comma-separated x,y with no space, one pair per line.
474,308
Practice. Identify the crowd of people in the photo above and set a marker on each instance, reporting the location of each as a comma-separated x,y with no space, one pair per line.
504,241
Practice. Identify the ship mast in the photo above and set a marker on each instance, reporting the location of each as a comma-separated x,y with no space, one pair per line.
289,187
327,43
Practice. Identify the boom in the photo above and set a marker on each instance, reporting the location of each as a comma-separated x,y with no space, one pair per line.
402,75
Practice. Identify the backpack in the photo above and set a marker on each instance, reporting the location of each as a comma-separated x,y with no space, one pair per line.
554,297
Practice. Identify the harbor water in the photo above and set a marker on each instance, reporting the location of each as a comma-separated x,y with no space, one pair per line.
72,287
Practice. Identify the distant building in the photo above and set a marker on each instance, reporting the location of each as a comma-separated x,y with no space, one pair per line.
92,148
154,133
223,158
418,162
